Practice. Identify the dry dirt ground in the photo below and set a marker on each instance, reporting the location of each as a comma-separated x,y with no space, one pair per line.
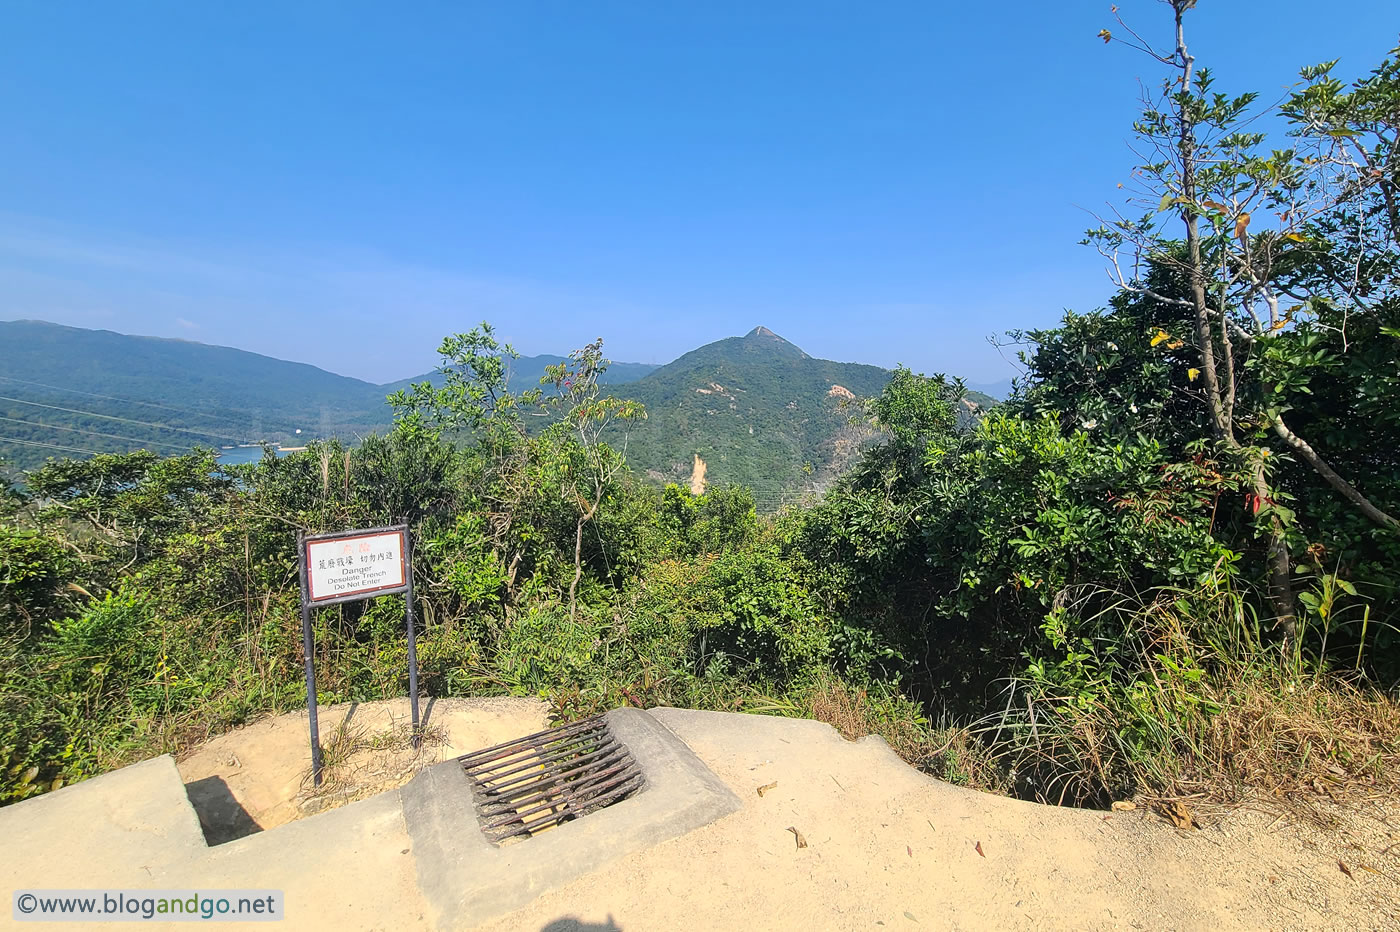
889,849
885,846
258,777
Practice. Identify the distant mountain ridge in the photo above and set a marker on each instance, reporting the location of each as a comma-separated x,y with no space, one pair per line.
755,409
70,390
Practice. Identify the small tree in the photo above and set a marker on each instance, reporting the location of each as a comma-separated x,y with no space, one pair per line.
471,402
472,394
585,416
1246,215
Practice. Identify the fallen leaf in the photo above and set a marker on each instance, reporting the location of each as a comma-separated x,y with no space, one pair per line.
1345,870
978,848
1177,814
767,786
910,916
1123,805
910,850
801,842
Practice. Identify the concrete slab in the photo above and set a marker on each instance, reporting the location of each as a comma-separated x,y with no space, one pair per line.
466,880
126,826
349,868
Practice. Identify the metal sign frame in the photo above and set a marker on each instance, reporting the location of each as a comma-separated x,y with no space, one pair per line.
308,540
304,542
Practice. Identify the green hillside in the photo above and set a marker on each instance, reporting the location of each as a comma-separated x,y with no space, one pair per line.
65,391
99,391
758,411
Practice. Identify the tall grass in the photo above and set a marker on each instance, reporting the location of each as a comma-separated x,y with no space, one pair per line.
1185,693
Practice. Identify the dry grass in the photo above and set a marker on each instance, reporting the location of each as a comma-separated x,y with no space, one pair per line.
1299,742
1178,695
1243,734
357,761
949,752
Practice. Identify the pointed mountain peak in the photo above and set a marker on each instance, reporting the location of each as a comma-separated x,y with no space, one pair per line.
763,333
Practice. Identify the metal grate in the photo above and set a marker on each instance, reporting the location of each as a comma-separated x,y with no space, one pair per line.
534,783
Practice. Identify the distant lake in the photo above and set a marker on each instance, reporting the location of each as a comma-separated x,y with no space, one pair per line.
241,455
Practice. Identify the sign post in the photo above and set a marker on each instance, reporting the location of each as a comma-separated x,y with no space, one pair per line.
348,566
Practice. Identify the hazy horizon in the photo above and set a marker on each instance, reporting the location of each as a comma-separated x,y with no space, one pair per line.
997,384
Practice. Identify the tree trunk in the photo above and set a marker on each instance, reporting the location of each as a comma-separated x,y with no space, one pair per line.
1205,333
583,519
578,569
1221,401
1280,563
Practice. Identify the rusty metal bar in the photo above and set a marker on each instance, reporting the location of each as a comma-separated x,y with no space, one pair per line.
540,759
499,791
551,796
549,734
531,784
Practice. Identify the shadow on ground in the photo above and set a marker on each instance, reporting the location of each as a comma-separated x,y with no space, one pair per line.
570,924
221,816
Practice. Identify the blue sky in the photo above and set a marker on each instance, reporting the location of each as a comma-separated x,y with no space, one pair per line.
343,183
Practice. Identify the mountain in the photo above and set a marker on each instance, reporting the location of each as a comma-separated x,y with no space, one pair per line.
65,391
754,410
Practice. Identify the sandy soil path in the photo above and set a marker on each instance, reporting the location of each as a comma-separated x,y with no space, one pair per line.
888,848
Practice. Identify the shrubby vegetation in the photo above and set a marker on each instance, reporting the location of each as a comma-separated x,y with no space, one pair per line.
1168,564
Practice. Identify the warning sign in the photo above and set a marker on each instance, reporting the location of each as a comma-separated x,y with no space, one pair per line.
358,563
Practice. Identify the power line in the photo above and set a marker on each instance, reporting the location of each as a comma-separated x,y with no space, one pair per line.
97,433
210,412
126,420
53,446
